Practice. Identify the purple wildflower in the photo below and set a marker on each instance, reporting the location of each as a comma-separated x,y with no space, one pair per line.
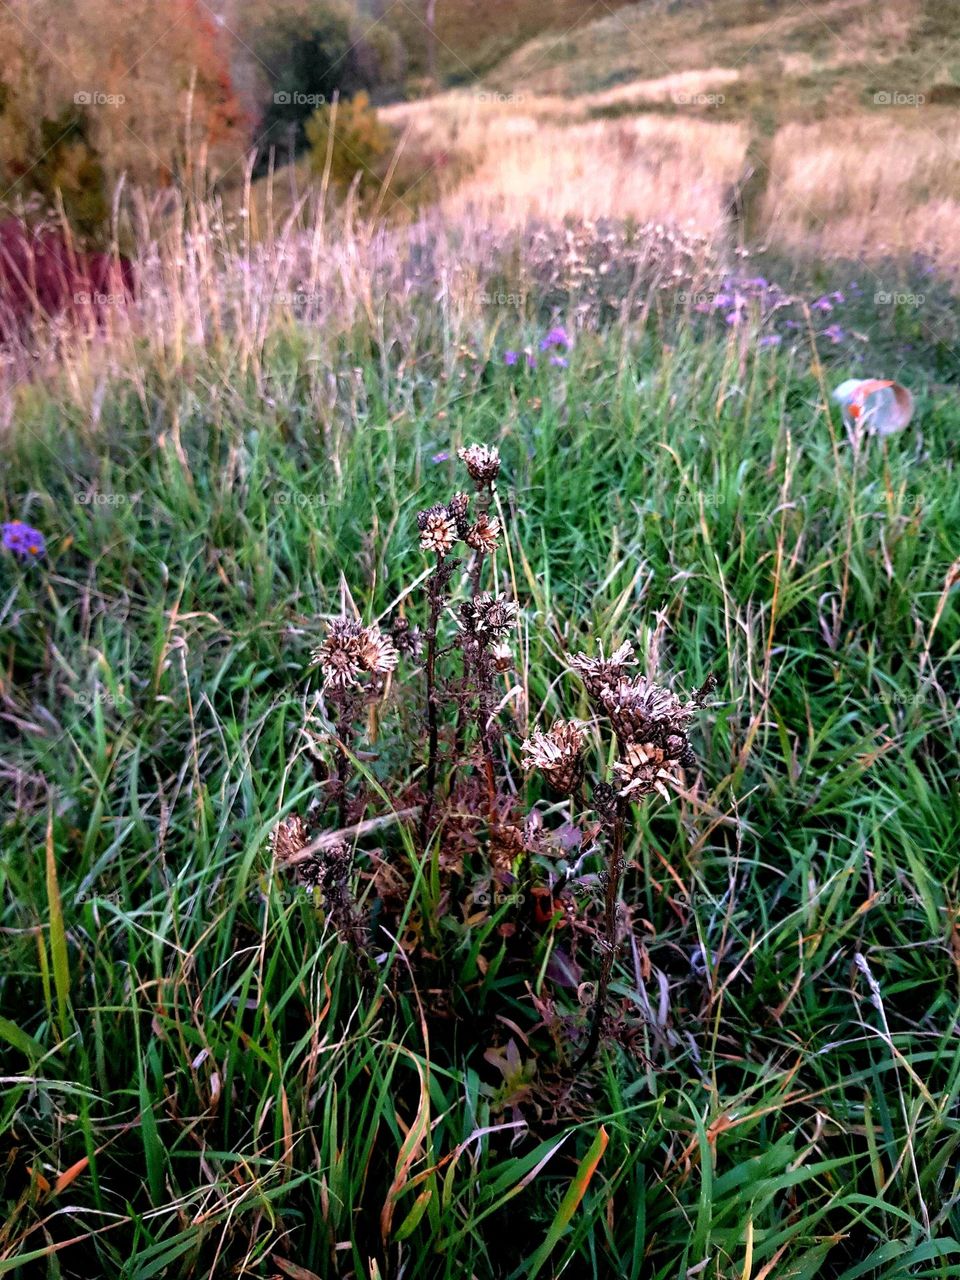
557,337
510,358
771,340
442,456
559,362
834,333
23,541
531,361
823,304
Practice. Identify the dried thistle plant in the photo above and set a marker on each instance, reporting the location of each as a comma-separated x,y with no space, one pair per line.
353,660
479,808
649,723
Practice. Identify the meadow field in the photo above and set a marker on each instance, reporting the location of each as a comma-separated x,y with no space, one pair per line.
326,953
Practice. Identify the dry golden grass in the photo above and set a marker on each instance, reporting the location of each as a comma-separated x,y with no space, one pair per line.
863,182
645,168
537,156
868,185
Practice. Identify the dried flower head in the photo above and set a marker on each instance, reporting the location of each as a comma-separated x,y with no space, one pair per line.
597,673
488,617
457,509
484,536
502,656
350,649
642,770
340,655
329,870
482,462
407,639
438,531
642,711
377,651
558,754
288,838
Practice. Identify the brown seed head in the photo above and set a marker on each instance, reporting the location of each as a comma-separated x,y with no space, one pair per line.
438,532
482,462
340,655
597,673
484,536
558,754
288,837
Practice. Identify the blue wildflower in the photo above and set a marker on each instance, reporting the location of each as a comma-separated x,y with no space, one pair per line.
24,541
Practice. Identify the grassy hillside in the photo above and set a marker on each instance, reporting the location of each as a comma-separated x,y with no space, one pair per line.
473,35
818,129
812,58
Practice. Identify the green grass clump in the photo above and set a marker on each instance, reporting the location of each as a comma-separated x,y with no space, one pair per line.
188,1047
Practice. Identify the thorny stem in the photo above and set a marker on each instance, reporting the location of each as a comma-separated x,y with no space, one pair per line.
614,873
436,604
484,715
475,571
346,714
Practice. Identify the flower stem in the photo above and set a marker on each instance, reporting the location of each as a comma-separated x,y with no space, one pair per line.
614,873
436,604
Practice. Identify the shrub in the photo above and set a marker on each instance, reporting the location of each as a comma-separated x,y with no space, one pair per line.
315,57
64,167
360,148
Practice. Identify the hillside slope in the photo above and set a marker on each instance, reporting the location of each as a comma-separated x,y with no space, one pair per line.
811,58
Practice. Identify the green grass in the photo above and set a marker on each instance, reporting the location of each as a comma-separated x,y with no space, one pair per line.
246,1105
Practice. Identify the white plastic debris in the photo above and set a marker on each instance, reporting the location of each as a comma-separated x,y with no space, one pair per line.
874,405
